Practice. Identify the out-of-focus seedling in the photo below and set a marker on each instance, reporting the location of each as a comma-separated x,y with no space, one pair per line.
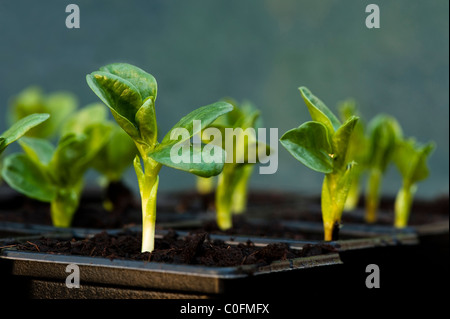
60,105
232,186
384,133
55,174
117,153
411,161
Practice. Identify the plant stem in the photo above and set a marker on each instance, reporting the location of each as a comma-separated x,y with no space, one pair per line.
239,200
329,207
63,207
223,202
372,196
335,190
353,195
403,203
148,186
205,185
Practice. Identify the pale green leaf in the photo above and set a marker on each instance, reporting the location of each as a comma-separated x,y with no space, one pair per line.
146,121
411,158
319,111
384,133
197,160
38,150
341,141
90,114
206,114
23,175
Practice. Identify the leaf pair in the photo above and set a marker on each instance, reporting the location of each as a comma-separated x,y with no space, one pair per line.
410,159
384,132
130,93
320,144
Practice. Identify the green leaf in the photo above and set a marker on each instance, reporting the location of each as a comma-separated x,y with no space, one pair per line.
310,145
384,133
60,106
207,166
18,129
319,111
206,114
341,141
421,172
144,82
146,121
120,96
39,150
90,114
347,109
410,160
74,153
116,155
23,175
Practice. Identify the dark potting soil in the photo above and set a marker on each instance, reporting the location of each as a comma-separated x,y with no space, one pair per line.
187,205
272,229
195,249
92,211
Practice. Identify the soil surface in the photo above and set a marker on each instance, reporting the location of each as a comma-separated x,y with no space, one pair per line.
195,249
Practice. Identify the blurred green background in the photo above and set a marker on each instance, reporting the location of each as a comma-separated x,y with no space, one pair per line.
260,50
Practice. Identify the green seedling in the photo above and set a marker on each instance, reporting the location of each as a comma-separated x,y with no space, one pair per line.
384,132
55,174
130,94
20,128
410,159
356,151
322,144
232,185
117,153
60,105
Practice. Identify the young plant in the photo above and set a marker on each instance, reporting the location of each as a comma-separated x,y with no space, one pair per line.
410,159
117,153
322,145
384,132
130,94
60,105
232,185
357,151
55,175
